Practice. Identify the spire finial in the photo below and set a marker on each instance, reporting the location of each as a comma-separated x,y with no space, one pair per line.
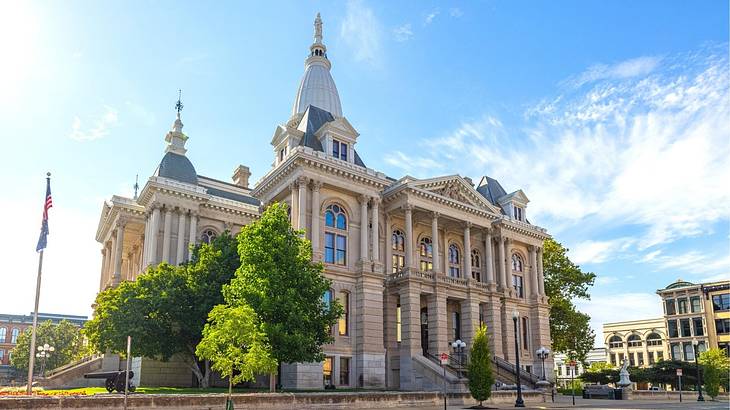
136,185
179,105
318,29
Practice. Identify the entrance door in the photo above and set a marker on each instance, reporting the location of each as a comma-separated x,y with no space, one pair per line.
424,330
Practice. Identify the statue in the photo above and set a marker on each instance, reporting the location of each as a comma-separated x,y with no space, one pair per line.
624,375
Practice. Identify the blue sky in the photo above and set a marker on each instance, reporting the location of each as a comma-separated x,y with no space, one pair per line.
611,116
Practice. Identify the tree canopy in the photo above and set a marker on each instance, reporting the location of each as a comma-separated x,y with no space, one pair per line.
64,337
278,279
716,370
166,308
481,377
564,282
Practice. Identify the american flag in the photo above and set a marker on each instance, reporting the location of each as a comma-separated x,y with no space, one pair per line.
43,239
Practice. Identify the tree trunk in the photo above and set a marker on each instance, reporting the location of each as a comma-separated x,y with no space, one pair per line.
203,377
272,382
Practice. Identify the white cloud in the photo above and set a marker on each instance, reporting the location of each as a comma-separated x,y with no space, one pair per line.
403,33
107,120
619,307
624,69
606,280
431,16
361,31
598,251
456,12
650,151
71,262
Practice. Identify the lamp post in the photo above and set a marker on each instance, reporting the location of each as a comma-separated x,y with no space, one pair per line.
542,354
519,402
44,352
459,346
699,373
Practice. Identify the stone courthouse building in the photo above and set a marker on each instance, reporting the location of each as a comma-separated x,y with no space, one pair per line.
416,263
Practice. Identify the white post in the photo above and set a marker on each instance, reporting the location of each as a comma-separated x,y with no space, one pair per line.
126,372
363,228
180,256
31,359
154,231
166,236
118,252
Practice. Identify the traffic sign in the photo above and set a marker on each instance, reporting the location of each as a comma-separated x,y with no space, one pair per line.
679,372
444,358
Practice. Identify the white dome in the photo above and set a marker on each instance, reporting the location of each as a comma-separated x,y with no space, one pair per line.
317,88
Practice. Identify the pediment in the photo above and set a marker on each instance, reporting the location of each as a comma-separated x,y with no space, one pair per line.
455,188
340,127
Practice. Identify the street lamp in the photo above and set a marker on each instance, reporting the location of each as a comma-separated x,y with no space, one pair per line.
519,402
542,354
459,346
699,373
44,352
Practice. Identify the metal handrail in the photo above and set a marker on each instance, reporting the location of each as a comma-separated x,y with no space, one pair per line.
524,374
72,364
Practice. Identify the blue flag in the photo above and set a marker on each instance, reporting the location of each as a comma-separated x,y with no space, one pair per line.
43,239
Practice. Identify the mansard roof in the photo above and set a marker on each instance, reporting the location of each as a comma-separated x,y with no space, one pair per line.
491,189
177,167
313,119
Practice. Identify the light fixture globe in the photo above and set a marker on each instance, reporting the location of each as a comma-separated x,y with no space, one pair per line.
515,314
52,349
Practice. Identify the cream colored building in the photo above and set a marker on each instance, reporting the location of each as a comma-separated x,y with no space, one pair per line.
417,263
641,342
696,312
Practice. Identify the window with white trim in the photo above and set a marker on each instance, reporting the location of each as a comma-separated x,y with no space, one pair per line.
335,235
397,246
454,261
339,150
426,252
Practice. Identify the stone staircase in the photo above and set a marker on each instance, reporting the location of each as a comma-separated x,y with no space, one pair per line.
72,375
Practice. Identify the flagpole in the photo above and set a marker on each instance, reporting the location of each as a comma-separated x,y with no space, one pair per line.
31,359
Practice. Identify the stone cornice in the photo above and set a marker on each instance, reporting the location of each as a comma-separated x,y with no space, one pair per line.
117,207
522,228
438,199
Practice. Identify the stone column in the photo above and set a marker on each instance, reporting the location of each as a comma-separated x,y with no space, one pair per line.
166,235
437,327
469,320
180,255
388,244
193,238
435,241
410,307
533,271
370,357
104,261
146,241
154,232
375,234
294,209
501,243
467,252
409,235
302,218
118,252
316,185
363,227
540,275
488,259
446,253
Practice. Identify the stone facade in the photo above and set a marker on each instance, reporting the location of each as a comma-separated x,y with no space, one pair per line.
417,263
641,342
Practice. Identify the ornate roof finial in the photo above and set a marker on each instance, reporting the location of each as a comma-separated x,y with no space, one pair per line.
318,29
179,105
136,185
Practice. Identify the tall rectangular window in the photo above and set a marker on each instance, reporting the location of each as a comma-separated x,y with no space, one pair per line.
344,321
2,356
676,351
525,344
327,370
722,326
343,151
650,357
684,326
517,285
613,358
397,324
672,328
14,335
335,248
659,356
670,307
697,324
640,358
695,303
3,334
721,302
344,371
682,306
399,262
339,150
632,361
456,325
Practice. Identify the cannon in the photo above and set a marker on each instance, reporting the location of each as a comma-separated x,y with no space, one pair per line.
114,380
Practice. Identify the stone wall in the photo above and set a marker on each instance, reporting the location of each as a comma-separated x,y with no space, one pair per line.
258,401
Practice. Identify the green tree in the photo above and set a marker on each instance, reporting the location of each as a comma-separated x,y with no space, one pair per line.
715,369
166,308
234,341
665,372
64,337
599,366
481,377
600,376
278,279
564,282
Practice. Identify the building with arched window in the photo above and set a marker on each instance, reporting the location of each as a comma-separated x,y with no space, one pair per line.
415,262
640,342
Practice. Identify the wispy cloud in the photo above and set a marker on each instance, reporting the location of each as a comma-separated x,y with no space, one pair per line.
431,16
456,12
625,69
361,30
649,151
100,129
598,251
403,33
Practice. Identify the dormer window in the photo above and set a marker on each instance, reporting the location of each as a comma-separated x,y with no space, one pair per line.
519,213
282,152
339,150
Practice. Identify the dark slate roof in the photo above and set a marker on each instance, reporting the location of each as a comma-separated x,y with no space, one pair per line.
232,196
177,167
492,190
315,118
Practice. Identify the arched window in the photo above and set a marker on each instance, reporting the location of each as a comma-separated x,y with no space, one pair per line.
3,334
517,264
476,265
653,339
615,341
397,245
454,261
426,249
14,335
634,341
335,236
207,236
